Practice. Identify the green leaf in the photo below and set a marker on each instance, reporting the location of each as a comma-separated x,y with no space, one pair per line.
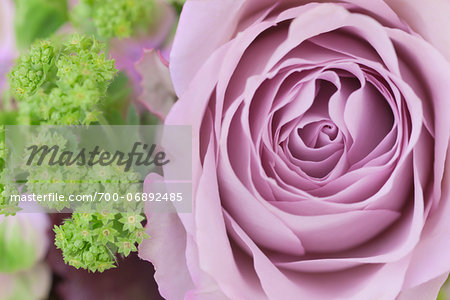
116,100
132,117
443,293
178,5
37,19
8,117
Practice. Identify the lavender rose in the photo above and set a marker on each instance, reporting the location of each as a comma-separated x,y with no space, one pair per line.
320,166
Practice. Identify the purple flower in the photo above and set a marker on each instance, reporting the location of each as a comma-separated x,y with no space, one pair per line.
320,160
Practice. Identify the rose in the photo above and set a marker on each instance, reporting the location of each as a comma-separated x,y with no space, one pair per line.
321,136
278,217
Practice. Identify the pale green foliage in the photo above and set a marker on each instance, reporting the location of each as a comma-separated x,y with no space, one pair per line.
115,18
46,178
37,19
100,228
62,82
6,185
90,240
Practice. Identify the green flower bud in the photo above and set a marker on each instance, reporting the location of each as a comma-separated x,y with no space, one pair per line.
115,18
103,235
62,82
23,241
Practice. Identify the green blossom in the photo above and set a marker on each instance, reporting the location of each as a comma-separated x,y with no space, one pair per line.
91,240
115,18
62,82
125,247
7,185
131,221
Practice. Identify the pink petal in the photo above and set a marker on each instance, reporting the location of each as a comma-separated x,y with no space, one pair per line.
157,94
166,248
430,19
426,290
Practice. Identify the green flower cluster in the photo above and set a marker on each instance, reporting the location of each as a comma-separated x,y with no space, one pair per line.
100,228
6,185
44,179
62,82
115,18
91,240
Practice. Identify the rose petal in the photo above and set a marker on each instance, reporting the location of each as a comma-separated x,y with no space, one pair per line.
157,95
427,290
166,232
428,19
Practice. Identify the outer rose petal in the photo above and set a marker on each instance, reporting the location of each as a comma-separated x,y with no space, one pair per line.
427,290
166,232
218,20
435,239
157,95
200,19
206,224
428,18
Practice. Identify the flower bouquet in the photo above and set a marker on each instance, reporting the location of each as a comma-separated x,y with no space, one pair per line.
225,149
